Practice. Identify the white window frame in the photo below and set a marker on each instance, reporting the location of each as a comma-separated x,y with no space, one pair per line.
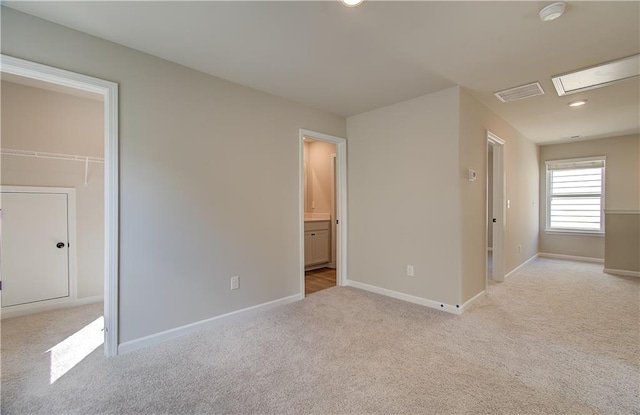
576,161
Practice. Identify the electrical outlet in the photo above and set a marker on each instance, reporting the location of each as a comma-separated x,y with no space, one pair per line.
235,282
410,270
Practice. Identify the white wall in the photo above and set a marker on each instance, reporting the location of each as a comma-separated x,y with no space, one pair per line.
521,171
404,203
622,188
208,179
40,120
411,203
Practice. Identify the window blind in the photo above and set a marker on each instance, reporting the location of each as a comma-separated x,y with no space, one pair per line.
575,195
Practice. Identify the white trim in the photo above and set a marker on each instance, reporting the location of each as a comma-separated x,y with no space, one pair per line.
580,232
453,309
519,267
156,338
109,91
570,257
494,139
341,195
621,212
467,304
622,272
70,192
49,305
574,233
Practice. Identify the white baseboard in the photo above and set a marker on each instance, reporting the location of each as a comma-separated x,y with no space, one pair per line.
50,305
467,304
454,309
519,267
571,257
163,336
622,272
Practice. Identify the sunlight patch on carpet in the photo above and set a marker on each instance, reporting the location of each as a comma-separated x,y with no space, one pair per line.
69,352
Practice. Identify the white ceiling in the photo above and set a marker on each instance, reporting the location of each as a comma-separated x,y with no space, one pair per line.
350,60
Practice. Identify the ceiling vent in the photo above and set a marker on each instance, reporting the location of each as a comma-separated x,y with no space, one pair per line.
597,76
520,92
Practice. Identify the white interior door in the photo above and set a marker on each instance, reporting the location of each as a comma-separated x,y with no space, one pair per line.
499,217
35,248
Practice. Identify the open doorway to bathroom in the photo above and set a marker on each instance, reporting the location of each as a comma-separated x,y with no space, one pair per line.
322,206
319,215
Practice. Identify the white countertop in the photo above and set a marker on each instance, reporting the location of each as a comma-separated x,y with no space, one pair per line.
317,217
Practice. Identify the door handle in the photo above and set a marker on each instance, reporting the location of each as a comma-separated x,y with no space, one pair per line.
60,245
494,220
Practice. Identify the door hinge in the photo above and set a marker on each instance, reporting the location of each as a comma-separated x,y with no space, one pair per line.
0,285
337,221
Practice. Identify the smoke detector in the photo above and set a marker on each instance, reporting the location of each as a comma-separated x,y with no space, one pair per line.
552,11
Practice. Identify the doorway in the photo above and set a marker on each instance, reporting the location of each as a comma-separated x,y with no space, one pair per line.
495,222
57,79
322,211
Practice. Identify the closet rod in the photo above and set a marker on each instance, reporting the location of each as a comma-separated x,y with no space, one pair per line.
56,156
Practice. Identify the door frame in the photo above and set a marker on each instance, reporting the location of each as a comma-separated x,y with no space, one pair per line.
499,208
341,204
109,92
72,248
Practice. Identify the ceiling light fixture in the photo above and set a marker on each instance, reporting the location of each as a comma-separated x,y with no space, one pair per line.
352,3
578,103
551,12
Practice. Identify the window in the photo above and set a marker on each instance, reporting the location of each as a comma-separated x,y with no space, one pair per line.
575,190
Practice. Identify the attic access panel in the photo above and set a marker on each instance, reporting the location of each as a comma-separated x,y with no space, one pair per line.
597,76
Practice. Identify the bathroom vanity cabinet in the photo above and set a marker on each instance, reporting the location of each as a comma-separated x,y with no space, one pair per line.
317,243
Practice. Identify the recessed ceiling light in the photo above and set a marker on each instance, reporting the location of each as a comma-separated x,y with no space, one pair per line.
578,103
551,12
352,3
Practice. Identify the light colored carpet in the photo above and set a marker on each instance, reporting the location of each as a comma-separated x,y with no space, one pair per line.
557,337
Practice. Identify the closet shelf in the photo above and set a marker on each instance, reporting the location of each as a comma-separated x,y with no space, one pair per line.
45,155
56,156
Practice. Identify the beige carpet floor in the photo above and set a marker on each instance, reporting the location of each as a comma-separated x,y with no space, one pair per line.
557,338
